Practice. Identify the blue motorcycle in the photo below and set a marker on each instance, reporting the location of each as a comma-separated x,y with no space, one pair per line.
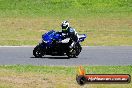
53,43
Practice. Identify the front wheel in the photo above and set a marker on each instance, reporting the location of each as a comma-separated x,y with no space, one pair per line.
37,52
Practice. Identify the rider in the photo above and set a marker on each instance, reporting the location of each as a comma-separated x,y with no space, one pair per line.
68,31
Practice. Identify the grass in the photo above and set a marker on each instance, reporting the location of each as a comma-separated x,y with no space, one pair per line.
62,8
106,22
18,76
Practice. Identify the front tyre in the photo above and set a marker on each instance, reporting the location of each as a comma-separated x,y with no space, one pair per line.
37,52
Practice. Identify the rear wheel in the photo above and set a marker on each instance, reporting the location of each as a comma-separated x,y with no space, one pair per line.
72,53
78,49
75,51
38,52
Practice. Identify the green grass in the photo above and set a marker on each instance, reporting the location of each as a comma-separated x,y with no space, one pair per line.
29,76
68,70
106,22
62,8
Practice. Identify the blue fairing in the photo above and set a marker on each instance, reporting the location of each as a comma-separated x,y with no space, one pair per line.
47,36
52,35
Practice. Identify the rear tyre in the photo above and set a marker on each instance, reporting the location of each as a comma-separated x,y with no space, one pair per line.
75,51
71,53
78,49
37,52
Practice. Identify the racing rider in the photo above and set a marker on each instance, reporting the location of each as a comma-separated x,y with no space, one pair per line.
69,32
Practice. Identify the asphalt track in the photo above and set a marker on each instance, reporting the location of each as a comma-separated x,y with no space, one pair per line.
120,55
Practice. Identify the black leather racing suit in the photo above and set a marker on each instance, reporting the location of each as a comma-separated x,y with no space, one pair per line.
70,33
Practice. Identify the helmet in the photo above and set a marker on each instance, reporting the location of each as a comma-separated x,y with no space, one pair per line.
65,25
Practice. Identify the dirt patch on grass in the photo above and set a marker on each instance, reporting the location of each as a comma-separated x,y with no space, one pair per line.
28,23
22,30
33,80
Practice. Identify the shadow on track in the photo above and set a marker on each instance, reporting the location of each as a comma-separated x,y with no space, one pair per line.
52,57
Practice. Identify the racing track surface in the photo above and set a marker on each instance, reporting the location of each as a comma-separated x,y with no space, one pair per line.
89,56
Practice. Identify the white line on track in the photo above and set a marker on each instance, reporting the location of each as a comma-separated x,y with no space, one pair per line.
82,46
34,46
17,46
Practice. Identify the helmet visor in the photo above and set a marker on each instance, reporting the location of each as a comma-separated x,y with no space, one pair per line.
64,26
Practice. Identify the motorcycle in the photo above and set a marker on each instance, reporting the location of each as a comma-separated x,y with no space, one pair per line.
54,44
